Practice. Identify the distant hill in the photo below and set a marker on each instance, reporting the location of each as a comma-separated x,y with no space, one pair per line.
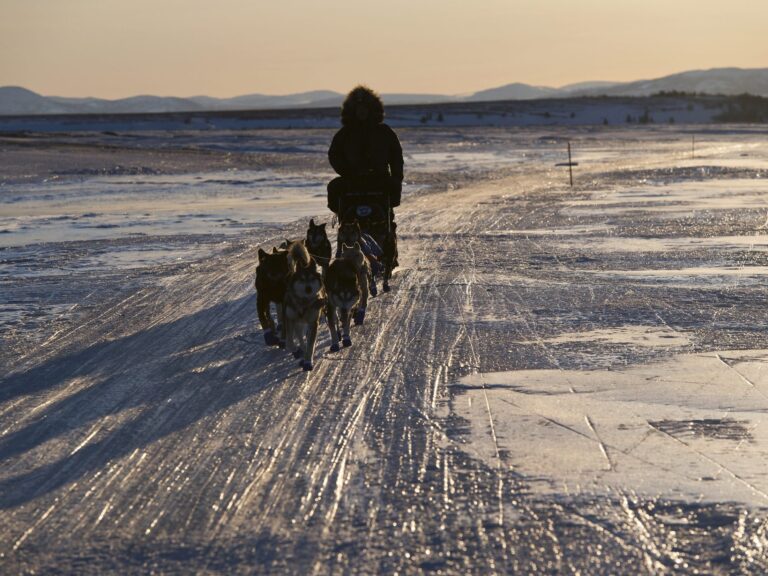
725,81
17,101
141,104
581,86
515,91
20,101
264,101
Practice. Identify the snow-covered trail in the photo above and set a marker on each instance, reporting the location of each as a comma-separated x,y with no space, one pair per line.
161,435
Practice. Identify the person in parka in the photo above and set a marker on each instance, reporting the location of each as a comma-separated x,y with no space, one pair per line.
365,152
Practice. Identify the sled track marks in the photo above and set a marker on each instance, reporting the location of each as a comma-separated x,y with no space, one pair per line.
161,433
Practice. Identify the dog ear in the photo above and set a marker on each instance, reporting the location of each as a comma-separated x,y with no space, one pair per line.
356,246
262,255
274,249
345,246
322,225
311,222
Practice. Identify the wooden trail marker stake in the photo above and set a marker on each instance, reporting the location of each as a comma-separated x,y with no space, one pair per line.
570,164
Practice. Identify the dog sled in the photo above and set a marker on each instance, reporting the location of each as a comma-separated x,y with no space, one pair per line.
372,210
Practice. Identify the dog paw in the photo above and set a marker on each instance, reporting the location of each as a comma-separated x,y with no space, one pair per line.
298,353
347,341
386,287
335,347
373,290
270,339
359,316
306,366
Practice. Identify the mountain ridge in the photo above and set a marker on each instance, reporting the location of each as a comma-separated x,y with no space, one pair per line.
16,100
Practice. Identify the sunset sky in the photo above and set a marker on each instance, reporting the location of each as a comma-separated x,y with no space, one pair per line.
118,48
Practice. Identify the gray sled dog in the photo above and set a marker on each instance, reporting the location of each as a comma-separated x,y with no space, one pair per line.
342,285
304,301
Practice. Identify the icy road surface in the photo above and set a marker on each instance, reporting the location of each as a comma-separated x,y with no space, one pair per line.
562,380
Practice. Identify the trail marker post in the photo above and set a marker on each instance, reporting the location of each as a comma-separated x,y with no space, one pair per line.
570,164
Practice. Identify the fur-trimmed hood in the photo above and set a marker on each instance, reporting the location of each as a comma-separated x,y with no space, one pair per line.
365,95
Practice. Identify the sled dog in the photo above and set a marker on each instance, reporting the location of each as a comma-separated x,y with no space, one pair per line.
318,245
304,301
355,255
271,274
342,285
349,233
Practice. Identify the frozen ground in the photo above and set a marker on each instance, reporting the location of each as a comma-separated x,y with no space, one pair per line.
562,380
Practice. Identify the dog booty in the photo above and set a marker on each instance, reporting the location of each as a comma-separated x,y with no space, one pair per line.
335,347
359,316
270,339
347,341
298,353
306,366
372,289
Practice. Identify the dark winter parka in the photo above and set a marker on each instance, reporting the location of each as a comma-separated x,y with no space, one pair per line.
366,146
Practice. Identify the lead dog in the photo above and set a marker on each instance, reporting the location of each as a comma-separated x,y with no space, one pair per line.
304,301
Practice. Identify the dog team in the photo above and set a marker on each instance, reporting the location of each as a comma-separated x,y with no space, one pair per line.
289,277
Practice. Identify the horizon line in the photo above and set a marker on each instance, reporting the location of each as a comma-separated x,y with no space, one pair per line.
382,92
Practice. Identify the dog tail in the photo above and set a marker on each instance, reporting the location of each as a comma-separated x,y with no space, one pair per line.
298,255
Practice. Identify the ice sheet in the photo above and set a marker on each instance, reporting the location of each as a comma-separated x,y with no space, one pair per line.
693,428
119,206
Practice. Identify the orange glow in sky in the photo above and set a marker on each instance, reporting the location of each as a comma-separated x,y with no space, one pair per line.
118,48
